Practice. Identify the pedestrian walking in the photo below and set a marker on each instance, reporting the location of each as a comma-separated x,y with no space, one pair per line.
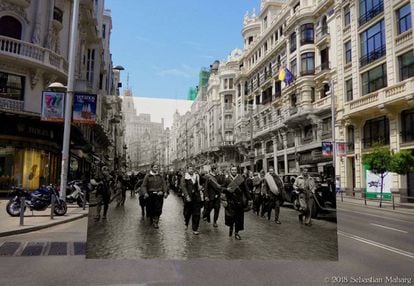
212,192
337,185
103,192
141,199
257,191
272,189
190,186
236,198
305,185
154,190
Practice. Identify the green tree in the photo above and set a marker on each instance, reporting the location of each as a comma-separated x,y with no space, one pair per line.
380,161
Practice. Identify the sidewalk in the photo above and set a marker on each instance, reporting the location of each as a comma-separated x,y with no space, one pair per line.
401,208
39,220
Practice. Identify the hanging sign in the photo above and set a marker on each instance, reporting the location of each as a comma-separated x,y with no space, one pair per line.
84,108
53,106
327,149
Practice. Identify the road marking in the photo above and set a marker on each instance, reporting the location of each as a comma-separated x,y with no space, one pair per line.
377,244
373,215
387,227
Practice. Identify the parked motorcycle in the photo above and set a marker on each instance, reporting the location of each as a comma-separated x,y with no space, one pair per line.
38,200
77,193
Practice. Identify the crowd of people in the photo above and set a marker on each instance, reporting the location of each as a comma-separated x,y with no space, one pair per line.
204,193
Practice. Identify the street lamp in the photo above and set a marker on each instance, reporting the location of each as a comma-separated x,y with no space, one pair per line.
68,102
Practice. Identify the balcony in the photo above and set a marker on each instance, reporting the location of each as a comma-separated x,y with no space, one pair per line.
326,134
322,34
307,139
11,105
307,72
371,14
372,56
293,110
322,103
307,41
32,54
397,96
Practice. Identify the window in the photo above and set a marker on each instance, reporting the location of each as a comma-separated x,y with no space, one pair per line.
327,125
312,94
348,90
293,67
407,122
307,63
369,9
10,27
276,36
306,34
373,43
90,65
278,88
265,22
406,62
404,18
265,47
246,88
293,42
374,79
103,31
324,91
348,52
12,86
376,131
225,83
231,83
347,16
250,40
293,100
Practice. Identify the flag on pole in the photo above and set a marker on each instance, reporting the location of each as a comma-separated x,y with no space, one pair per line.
288,76
282,74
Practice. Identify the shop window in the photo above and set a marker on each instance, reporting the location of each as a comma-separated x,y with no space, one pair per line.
12,86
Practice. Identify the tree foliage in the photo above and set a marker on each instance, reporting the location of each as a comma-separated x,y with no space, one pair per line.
378,161
402,162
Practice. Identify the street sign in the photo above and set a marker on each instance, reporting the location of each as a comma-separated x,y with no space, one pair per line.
53,106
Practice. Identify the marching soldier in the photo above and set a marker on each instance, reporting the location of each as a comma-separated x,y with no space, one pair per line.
305,185
154,190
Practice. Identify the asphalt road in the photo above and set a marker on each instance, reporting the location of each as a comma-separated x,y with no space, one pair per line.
366,251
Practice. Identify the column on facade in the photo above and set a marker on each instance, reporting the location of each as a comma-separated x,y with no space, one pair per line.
394,142
274,138
306,97
264,155
297,132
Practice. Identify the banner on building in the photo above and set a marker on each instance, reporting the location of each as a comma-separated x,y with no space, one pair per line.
341,149
53,106
327,149
84,108
373,185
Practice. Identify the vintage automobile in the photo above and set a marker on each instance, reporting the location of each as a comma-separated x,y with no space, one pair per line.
324,199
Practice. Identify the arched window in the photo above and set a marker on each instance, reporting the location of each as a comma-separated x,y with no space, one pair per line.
10,27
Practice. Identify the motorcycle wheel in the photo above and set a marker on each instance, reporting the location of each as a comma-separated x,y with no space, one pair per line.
79,201
61,208
13,208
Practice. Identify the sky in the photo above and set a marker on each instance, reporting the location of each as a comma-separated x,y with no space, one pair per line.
163,44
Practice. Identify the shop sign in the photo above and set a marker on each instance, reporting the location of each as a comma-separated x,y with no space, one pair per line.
327,149
53,106
84,108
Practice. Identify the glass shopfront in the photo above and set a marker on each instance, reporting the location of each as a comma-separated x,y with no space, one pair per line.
27,168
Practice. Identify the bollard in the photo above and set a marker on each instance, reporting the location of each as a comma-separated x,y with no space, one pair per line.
52,207
342,196
84,200
365,198
22,204
393,202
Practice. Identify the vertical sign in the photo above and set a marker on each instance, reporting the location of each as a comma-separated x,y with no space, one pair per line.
53,104
341,149
84,108
373,185
327,149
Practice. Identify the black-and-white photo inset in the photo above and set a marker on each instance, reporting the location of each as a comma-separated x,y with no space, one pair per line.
207,179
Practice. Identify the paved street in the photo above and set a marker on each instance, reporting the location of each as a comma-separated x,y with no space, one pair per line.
126,235
360,255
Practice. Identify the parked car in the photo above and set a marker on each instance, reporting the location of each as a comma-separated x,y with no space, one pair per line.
289,195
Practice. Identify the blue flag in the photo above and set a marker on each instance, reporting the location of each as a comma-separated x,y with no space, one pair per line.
288,76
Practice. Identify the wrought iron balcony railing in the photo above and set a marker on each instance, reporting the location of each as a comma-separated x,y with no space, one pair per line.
370,14
373,56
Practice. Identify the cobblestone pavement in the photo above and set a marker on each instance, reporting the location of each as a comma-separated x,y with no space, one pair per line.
125,235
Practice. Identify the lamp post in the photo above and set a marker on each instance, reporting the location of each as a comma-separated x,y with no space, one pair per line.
68,102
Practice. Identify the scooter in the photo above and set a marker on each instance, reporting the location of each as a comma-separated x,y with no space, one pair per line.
77,193
38,200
